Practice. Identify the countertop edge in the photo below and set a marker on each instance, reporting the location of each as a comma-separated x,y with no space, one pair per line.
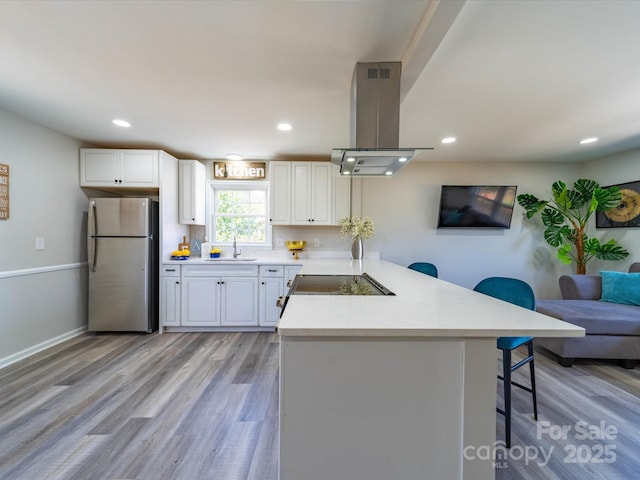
426,332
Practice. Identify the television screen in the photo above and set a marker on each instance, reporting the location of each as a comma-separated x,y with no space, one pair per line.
477,206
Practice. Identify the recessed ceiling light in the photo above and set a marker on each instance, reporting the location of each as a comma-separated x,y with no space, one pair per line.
402,159
388,173
346,173
121,123
588,140
285,127
234,157
448,140
351,159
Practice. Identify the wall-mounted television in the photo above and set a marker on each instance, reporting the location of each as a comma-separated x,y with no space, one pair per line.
476,206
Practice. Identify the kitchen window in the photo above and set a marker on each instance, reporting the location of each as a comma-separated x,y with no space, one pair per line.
240,210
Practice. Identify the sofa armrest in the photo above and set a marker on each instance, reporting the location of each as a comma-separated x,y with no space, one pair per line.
634,268
581,287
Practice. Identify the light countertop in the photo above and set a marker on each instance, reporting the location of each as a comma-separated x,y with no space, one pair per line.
231,261
422,306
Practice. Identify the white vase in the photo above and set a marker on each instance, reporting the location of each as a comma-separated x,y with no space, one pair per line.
357,248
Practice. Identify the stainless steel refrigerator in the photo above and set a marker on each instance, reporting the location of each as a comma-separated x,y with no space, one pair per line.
123,264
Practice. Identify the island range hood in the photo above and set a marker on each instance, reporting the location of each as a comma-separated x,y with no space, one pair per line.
375,120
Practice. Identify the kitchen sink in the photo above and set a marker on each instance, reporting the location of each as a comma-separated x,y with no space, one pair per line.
230,259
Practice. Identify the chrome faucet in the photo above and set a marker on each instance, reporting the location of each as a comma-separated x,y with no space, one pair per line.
236,252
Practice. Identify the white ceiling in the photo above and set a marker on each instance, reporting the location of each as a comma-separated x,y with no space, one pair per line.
512,80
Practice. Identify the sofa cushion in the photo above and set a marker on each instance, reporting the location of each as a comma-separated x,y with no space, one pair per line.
618,287
596,317
581,287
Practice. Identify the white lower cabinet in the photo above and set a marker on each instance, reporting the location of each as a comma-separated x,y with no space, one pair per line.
290,271
238,301
221,295
170,296
271,287
200,304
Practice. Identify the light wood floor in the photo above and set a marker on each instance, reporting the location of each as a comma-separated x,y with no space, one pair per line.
205,406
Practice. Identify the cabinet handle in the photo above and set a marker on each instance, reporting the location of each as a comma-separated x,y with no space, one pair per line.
272,270
177,283
115,181
262,283
170,270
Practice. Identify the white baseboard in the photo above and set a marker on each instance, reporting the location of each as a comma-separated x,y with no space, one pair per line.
27,352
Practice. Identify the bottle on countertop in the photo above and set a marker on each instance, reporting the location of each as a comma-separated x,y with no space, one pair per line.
205,248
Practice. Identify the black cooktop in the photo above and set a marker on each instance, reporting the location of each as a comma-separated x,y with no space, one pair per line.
337,285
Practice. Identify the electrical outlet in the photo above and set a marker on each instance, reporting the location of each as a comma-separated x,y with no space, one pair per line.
279,242
316,242
39,243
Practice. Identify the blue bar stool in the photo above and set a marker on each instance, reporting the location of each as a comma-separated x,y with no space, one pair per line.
519,293
425,267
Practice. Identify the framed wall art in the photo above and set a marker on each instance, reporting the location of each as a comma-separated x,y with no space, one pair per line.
4,191
627,213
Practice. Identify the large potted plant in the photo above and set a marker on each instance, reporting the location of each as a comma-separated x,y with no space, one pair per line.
565,217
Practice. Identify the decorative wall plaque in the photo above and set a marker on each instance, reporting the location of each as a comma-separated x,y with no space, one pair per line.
4,191
239,170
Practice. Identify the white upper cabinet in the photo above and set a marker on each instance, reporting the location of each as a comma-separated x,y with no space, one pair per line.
119,168
280,193
192,182
341,198
311,193
307,193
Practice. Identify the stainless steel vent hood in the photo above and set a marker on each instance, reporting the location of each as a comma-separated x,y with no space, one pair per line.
375,120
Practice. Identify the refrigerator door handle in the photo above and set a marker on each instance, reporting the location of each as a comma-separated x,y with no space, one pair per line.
91,248
92,219
91,241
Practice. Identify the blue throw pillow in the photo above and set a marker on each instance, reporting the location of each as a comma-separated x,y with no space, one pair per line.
618,287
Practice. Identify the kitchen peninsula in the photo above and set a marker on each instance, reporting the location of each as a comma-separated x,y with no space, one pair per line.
402,387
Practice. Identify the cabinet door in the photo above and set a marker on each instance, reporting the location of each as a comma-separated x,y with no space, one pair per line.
280,193
99,168
301,193
170,301
321,182
200,304
290,271
139,168
239,301
341,197
270,290
192,179
120,168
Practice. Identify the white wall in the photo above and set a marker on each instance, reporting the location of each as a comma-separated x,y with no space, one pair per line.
42,293
405,208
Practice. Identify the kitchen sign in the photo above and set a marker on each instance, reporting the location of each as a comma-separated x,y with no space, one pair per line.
239,170
4,191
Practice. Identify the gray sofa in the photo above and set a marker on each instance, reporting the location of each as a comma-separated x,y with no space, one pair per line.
612,330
